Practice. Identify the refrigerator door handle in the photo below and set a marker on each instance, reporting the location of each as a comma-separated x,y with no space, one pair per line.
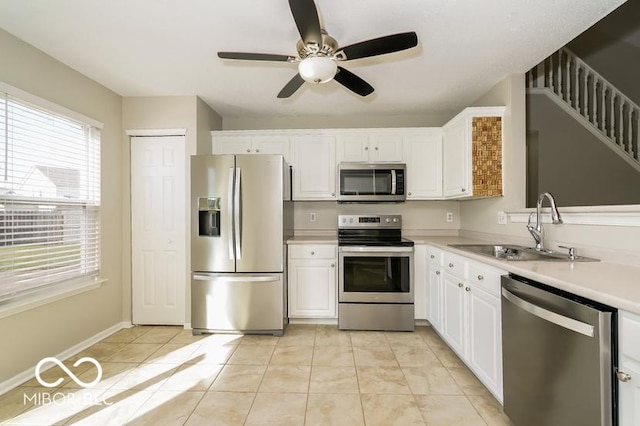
241,278
230,212
238,214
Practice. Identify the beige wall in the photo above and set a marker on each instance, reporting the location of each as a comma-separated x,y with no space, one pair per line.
480,216
336,121
50,329
166,112
417,216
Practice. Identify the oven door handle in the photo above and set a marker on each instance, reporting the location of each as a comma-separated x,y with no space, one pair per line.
374,249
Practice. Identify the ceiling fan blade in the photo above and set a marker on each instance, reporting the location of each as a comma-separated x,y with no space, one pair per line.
306,16
380,46
353,82
246,56
291,87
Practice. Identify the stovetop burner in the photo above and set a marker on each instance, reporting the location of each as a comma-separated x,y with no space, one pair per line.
371,230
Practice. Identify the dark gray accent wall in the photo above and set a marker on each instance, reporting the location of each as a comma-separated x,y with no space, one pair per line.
612,48
573,164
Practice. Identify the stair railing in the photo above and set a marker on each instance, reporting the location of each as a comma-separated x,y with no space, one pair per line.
613,114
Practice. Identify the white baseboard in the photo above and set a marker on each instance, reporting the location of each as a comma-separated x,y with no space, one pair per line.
28,374
321,321
187,326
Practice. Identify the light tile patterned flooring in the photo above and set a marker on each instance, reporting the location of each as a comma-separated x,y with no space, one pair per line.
313,375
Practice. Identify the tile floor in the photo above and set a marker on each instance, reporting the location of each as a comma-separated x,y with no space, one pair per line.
313,375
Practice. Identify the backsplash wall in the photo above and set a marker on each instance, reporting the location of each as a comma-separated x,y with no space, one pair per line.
417,216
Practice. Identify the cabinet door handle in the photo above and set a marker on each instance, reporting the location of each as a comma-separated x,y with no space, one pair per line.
366,148
333,194
450,265
248,150
433,256
437,272
464,190
460,285
376,148
467,289
480,278
623,377
333,265
257,150
312,253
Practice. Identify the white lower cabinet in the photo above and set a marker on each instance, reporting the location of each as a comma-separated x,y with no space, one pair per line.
470,312
434,288
420,281
629,369
312,281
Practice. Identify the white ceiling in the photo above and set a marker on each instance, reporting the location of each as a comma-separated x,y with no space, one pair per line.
168,47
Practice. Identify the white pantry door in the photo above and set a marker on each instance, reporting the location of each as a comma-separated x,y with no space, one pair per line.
158,240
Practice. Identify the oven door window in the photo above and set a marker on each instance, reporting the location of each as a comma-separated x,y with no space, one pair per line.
376,274
365,182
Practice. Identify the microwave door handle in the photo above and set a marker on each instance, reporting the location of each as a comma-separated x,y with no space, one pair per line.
393,182
230,213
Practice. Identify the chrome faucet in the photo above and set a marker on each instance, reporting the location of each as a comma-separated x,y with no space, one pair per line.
538,231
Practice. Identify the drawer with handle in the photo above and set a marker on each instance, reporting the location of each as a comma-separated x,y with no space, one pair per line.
485,277
309,251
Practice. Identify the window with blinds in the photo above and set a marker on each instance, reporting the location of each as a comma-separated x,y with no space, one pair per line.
49,199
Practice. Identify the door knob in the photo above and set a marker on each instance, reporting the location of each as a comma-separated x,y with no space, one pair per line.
460,285
623,377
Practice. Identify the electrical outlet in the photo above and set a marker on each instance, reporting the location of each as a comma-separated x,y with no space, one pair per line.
449,216
312,217
502,218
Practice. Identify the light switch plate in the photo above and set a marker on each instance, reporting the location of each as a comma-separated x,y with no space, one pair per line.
502,218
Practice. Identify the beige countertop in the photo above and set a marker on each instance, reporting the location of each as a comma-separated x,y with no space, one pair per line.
610,283
605,282
313,239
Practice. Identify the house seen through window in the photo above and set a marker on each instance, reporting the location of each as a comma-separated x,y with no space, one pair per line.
49,199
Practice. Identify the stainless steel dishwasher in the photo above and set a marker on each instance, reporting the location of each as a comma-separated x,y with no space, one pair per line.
559,356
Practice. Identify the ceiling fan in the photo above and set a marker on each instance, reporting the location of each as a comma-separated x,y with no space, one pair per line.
319,54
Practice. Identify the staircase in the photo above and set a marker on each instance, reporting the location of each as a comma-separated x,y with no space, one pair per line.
585,94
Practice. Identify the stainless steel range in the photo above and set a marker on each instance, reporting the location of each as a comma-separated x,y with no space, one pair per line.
375,274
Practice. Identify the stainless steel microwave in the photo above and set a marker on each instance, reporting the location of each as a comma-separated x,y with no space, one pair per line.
372,182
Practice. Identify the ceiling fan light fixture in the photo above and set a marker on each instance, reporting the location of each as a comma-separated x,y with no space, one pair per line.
317,69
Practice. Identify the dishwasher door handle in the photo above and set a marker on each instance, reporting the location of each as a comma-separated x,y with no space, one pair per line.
562,321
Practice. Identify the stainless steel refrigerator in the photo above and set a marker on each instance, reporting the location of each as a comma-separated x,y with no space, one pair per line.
240,219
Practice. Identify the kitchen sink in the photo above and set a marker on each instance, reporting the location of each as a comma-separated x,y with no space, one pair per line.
515,252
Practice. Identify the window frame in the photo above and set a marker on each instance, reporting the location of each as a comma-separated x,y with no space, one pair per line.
65,287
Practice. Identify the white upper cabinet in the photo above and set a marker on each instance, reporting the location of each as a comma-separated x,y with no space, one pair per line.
251,142
472,153
371,145
423,157
314,167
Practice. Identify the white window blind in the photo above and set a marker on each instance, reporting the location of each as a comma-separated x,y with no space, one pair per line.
49,198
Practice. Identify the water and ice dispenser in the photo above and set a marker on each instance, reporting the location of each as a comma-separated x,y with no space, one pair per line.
209,216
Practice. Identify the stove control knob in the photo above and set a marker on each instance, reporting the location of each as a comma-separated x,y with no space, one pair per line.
387,220
395,220
350,220
344,220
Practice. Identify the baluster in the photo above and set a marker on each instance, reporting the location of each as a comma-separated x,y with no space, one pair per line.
559,74
612,116
637,138
603,110
594,101
578,85
550,73
567,82
539,81
621,124
630,130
